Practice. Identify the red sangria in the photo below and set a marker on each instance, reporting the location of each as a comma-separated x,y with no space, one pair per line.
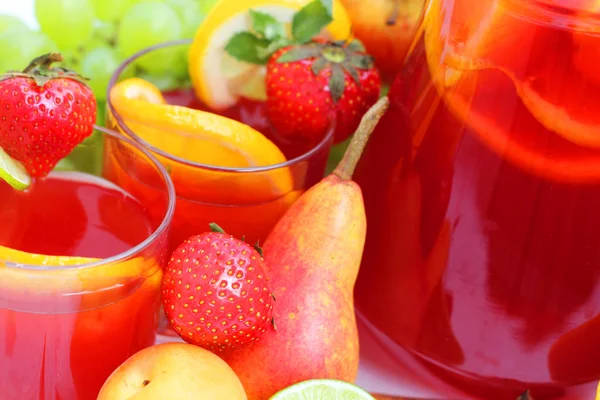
482,184
80,273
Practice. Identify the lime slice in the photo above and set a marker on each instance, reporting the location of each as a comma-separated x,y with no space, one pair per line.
322,389
13,172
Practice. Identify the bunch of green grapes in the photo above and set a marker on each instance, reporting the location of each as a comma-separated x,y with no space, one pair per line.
95,36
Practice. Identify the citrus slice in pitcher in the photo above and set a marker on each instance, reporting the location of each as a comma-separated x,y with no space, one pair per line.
194,137
515,84
219,79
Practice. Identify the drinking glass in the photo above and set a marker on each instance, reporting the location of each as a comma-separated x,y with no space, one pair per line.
481,184
246,202
80,270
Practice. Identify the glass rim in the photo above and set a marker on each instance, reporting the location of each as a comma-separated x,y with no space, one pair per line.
140,247
179,160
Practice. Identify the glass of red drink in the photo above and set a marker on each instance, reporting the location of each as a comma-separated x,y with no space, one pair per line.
243,201
80,271
482,262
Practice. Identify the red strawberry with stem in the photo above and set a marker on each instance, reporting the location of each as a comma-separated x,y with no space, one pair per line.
45,112
309,84
215,292
309,81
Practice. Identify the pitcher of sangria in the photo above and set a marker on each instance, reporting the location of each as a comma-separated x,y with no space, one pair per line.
482,187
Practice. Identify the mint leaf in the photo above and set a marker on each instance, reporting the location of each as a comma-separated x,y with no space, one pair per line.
266,25
246,46
310,20
328,5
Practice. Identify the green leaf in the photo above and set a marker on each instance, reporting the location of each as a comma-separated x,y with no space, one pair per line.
357,45
299,53
328,4
337,82
266,25
319,64
353,73
276,45
310,20
361,61
246,46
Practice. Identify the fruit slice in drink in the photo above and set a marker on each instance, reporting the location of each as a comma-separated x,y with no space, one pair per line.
480,57
205,138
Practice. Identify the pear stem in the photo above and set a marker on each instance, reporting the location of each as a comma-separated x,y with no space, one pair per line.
346,167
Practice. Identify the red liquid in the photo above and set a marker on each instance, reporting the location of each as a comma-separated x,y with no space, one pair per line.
59,346
244,210
482,260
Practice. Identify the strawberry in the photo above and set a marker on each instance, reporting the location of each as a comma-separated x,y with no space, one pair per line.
215,292
310,84
44,113
309,81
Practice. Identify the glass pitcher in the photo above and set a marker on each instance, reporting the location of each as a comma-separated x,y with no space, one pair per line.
482,188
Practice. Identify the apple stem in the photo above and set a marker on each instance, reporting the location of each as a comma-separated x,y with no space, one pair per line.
346,167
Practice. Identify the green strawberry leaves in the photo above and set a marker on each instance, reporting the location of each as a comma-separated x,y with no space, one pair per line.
299,53
269,35
341,57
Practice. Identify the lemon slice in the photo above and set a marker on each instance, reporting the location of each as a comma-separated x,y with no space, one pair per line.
219,79
322,389
13,172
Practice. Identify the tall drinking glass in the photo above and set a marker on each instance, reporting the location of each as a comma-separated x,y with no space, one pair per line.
80,271
243,201
482,187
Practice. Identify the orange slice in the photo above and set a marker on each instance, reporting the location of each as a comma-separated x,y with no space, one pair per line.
98,285
204,138
219,79
515,85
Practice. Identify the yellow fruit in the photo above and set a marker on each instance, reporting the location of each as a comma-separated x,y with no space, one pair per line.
173,371
218,78
111,278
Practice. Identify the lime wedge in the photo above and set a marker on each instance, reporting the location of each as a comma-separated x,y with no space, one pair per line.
322,389
13,172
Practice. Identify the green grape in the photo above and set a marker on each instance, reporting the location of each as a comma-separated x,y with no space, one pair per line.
189,14
106,31
68,23
147,24
9,22
98,66
111,10
162,82
71,59
18,48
